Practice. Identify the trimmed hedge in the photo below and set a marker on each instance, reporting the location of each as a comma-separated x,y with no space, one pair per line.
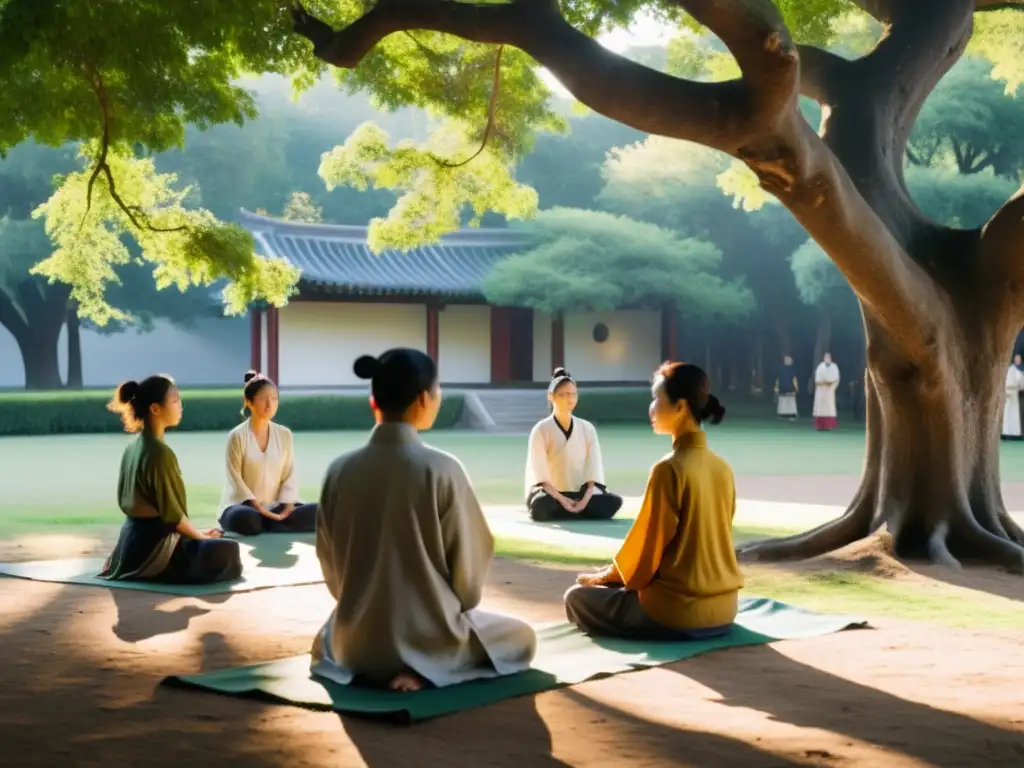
209,410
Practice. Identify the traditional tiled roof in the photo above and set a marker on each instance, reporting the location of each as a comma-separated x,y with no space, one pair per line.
336,259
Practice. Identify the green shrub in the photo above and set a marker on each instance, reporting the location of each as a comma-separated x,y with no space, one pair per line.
205,410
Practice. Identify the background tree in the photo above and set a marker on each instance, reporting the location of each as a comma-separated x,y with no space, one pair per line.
595,261
675,184
941,305
970,124
300,207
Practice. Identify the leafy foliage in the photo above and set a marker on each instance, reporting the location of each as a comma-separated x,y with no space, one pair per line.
435,192
590,260
969,124
300,207
188,246
133,74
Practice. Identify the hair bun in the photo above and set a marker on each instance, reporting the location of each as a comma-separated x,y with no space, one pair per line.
127,391
714,411
559,373
366,367
249,376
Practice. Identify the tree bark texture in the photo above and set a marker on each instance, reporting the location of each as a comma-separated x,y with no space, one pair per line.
75,380
941,306
34,313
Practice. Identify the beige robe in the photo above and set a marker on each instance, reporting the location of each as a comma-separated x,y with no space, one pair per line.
405,548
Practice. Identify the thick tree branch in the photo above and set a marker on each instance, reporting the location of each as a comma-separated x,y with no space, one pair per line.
822,74
756,119
11,318
1002,250
720,115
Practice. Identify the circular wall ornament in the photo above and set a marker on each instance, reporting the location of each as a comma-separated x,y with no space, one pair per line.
600,333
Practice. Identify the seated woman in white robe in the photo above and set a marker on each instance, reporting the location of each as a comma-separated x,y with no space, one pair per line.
1011,403
260,492
564,471
405,549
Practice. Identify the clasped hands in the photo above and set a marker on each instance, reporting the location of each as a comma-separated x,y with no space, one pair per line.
605,576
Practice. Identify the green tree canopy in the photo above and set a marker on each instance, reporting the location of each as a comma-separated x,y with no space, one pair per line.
590,260
971,124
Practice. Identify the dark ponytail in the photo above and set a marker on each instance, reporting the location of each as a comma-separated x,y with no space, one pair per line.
397,378
684,381
132,400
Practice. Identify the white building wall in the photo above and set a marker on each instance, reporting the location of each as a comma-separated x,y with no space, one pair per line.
630,353
319,341
542,346
464,344
214,352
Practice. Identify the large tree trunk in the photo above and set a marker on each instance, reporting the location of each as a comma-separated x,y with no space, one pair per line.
74,348
931,473
39,357
941,305
35,314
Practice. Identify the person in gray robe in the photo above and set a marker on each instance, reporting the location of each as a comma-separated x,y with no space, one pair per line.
405,548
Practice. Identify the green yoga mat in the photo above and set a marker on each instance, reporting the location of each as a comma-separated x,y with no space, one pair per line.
269,560
565,656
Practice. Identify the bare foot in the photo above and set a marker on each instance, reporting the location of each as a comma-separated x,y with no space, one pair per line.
406,682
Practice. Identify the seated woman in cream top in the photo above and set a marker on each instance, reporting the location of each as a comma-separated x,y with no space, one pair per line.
564,471
260,492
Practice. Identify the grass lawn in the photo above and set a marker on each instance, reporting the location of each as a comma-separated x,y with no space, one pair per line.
70,480
66,485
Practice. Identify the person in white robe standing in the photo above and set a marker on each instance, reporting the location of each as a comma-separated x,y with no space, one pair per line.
1011,403
826,382
260,491
564,470
404,548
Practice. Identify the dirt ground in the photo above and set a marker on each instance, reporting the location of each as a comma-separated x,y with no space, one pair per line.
78,687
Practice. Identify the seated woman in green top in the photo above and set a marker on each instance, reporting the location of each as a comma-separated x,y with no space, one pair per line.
157,541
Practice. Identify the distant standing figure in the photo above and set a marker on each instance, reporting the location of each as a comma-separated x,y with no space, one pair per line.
260,492
158,541
1011,403
564,471
786,390
826,382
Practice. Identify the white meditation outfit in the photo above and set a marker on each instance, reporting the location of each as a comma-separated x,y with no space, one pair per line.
565,463
825,396
264,476
1011,403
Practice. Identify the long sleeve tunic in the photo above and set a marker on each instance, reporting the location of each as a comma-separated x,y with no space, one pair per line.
252,474
679,554
405,549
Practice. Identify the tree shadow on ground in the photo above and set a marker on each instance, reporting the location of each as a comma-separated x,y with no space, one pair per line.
697,748
140,616
509,733
976,577
795,693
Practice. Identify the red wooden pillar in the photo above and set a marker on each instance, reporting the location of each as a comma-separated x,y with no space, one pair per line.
256,339
669,341
273,320
501,341
433,331
557,341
